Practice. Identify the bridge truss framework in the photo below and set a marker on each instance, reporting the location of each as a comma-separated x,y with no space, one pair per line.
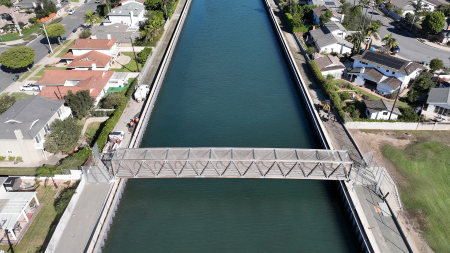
231,163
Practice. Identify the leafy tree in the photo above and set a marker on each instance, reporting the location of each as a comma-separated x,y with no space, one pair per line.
64,135
29,11
423,81
80,103
21,24
6,101
311,50
54,31
143,55
417,6
113,100
84,34
434,22
89,17
408,114
444,8
325,17
355,114
412,96
436,64
48,172
389,7
356,10
379,2
17,57
48,8
154,4
297,19
409,18
32,20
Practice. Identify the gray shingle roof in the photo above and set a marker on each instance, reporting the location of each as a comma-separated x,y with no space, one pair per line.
125,9
375,106
26,111
439,96
388,62
117,31
324,63
324,37
392,82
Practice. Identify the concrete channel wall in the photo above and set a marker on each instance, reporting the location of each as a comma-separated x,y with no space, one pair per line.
323,136
151,99
398,125
65,218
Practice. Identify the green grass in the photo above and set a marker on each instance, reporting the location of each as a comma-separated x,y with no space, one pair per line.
25,33
373,97
20,95
7,171
129,67
55,50
41,72
426,165
92,128
66,49
57,20
24,77
34,78
39,233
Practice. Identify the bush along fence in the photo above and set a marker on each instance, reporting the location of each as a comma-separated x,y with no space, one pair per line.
328,87
111,122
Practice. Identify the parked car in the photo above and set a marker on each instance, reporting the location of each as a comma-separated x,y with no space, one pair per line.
97,1
71,11
75,30
29,86
396,49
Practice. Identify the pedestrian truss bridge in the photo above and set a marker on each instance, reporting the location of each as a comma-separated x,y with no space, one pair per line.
230,163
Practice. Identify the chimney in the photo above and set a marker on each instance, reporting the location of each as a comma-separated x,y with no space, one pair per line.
362,70
108,36
94,66
342,18
314,27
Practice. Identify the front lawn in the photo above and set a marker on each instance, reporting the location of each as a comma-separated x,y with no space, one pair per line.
426,166
24,77
20,95
66,49
26,34
7,171
131,66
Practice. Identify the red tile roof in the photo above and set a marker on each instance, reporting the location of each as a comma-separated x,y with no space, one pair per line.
68,55
89,58
92,80
93,44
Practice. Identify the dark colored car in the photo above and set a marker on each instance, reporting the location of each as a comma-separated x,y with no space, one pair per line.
75,30
396,49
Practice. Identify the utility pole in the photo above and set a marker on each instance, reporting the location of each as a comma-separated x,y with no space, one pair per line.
17,25
51,50
137,64
395,101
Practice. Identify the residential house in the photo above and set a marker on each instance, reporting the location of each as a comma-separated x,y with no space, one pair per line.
439,101
383,72
7,18
56,84
129,13
330,65
381,109
331,38
25,124
124,34
445,33
92,54
427,5
32,4
335,5
318,11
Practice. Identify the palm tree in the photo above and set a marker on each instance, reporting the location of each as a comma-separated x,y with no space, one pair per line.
89,17
390,41
417,6
48,172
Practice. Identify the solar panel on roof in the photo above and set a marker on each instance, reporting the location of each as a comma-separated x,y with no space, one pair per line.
329,3
383,60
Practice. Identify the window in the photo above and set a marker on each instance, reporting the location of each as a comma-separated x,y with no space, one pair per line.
38,138
387,70
9,151
59,112
46,128
385,113
393,73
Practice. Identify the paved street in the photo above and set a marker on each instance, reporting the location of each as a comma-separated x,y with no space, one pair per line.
410,47
40,45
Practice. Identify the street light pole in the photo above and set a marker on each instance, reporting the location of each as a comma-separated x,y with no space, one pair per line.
51,50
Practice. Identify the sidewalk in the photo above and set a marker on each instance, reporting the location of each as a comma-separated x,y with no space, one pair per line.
431,44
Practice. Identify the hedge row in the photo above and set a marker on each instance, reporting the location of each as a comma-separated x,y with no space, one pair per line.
112,122
328,87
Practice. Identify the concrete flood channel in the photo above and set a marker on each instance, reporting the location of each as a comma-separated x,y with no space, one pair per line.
229,84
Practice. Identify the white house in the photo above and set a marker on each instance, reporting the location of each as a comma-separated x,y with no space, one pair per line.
381,109
427,5
330,65
92,54
335,5
386,72
24,125
318,11
439,101
331,38
128,13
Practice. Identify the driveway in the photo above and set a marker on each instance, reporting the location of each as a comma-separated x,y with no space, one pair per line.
410,47
40,44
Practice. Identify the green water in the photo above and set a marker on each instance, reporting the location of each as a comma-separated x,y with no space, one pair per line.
228,85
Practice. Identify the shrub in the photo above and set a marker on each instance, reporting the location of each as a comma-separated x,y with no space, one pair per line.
355,114
393,95
366,97
436,64
400,11
11,158
334,53
84,34
330,77
349,108
344,95
408,115
2,158
19,159
113,100
143,55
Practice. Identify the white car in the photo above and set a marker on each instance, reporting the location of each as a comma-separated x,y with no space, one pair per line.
97,1
71,12
30,86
